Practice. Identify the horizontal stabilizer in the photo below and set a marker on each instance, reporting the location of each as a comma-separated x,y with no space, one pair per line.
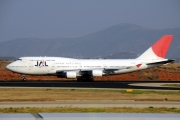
162,62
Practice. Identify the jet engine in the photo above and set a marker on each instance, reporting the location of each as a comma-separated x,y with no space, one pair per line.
71,74
97,73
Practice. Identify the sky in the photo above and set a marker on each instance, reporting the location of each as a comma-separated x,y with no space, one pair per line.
76,18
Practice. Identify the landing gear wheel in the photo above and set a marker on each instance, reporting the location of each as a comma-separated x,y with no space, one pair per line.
24,78
79,79
85,79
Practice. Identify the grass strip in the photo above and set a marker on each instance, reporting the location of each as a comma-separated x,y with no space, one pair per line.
91,90
93,110
56,94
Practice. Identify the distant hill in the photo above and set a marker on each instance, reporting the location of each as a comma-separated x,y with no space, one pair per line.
124,55
7,58
123,40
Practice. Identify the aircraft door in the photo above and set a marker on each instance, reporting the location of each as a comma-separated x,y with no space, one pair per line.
30,65
52,67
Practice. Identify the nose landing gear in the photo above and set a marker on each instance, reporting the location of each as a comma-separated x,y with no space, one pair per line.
24,77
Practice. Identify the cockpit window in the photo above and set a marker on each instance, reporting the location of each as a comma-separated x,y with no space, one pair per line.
18,59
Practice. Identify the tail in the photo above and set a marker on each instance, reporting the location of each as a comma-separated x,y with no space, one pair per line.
159,49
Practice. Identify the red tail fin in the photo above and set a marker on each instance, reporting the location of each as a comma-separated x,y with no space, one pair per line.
160,48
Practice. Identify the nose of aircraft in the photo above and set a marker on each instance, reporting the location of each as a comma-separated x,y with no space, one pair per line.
7,67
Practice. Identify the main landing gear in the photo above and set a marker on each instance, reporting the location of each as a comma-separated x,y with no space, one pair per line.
24,77
85,79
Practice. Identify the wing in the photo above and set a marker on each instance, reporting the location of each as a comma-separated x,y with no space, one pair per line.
90,72
95,72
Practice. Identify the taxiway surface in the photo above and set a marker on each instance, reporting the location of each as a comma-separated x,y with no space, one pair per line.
92,104
97,84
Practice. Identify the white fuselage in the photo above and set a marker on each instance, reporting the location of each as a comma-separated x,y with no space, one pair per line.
50,65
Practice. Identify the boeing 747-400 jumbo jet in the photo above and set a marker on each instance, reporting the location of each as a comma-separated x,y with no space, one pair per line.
87,69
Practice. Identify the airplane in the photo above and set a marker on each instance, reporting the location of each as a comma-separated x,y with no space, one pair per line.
87,69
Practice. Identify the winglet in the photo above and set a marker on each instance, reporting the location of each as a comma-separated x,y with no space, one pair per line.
138,65
159,49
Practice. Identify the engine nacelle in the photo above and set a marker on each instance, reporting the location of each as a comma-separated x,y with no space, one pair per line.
71,74
97,73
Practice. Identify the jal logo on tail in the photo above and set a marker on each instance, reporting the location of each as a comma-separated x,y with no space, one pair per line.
41,63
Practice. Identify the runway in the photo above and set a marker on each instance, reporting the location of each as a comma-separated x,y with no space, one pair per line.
90,116
97,84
